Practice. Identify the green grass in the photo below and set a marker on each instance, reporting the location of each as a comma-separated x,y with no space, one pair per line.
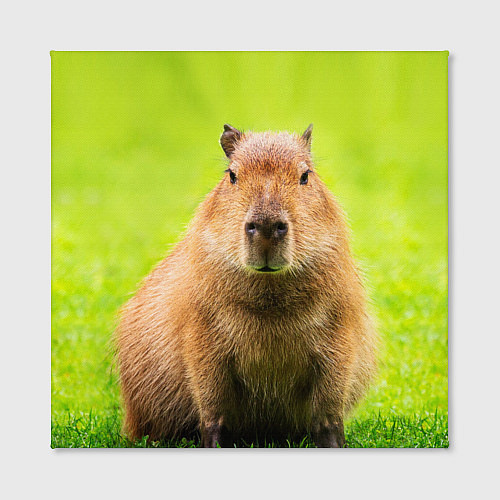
390,431
134,150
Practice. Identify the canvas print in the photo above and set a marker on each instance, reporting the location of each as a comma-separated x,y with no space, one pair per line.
249,249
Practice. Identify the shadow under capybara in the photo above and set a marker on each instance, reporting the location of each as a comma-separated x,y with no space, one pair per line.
256,324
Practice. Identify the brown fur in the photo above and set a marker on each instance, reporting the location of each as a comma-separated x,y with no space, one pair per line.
210,343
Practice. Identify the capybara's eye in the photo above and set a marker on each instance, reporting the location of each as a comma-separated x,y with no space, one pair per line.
304,177
232,176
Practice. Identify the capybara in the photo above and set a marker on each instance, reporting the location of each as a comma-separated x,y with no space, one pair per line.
255,326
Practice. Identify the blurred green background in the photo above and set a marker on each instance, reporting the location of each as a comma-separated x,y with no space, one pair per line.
135,149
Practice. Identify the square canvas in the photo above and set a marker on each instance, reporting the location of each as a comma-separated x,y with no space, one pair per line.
249,249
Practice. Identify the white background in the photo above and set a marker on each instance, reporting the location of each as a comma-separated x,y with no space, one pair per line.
29,30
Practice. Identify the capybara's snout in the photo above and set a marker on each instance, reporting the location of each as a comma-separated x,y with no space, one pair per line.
267,241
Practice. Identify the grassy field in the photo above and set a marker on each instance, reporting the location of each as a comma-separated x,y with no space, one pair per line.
134,150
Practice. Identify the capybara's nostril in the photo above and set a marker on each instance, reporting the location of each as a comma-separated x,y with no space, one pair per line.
281,229
250,228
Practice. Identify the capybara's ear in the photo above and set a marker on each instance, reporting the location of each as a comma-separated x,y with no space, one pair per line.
229,138
306,136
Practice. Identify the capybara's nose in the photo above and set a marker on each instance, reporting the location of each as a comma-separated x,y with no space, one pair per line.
269,229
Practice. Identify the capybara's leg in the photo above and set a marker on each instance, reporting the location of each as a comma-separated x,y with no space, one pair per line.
216,395
330,435
216,434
